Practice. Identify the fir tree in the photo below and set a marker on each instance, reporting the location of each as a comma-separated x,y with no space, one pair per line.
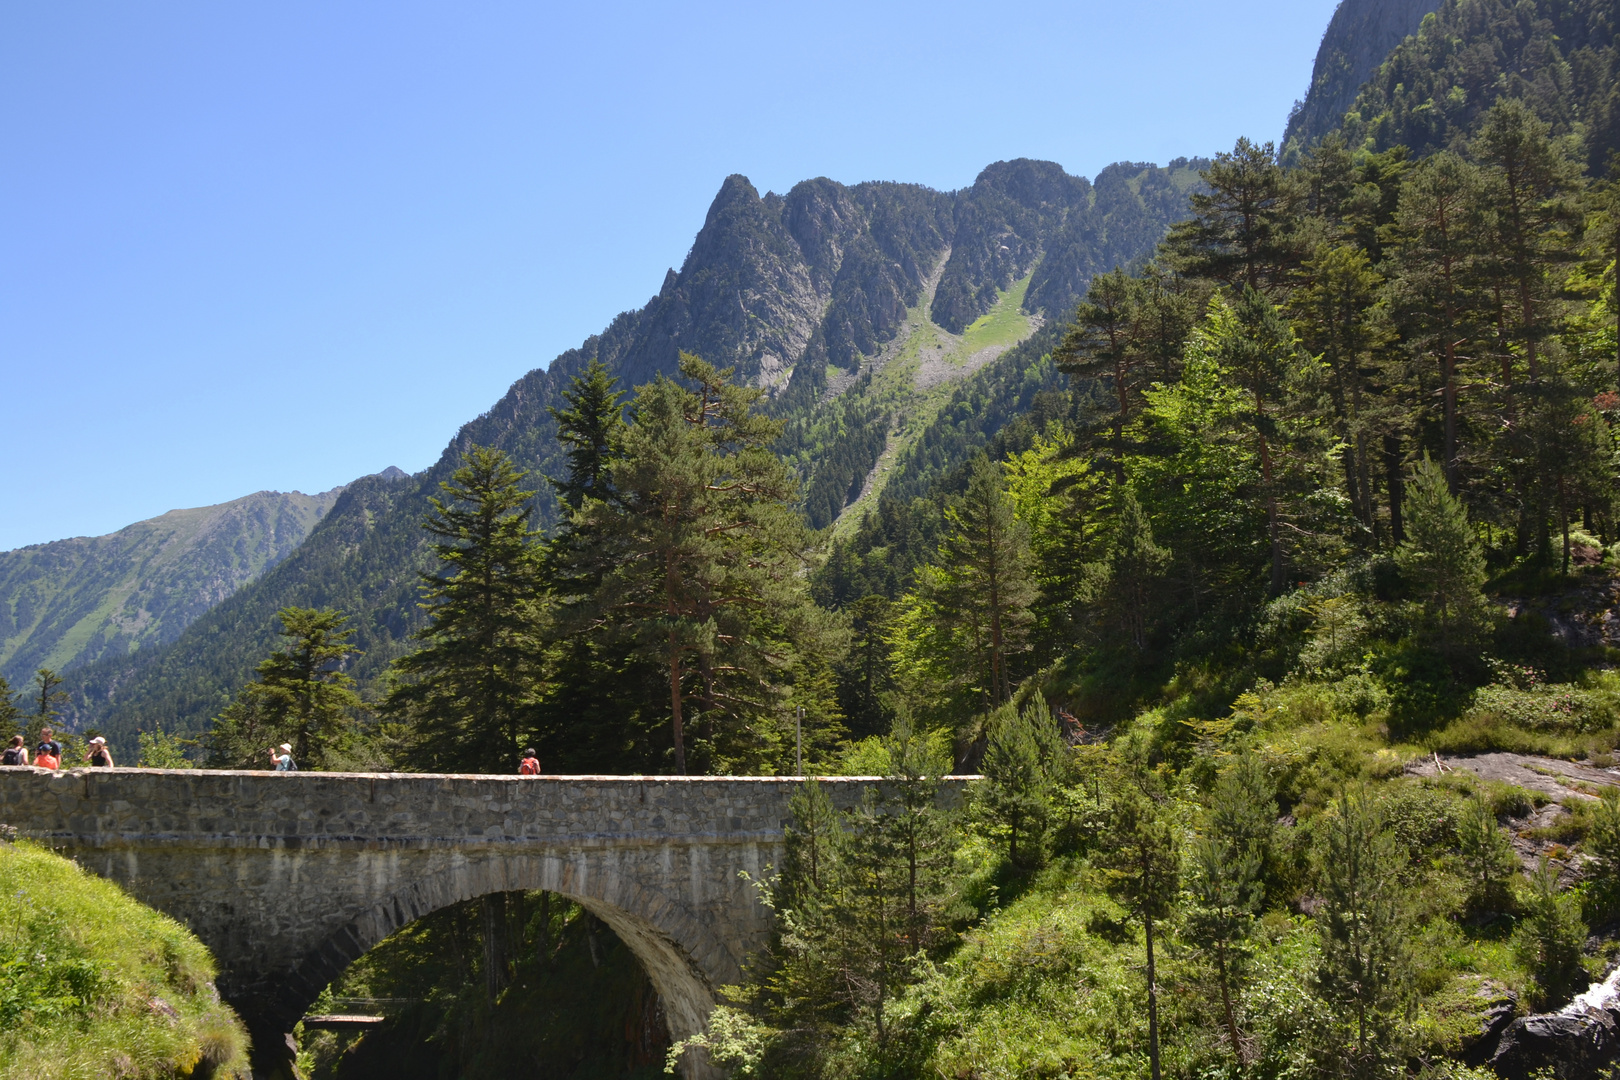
470,690
1123,586
982,588
589,427
1441,559
1015,791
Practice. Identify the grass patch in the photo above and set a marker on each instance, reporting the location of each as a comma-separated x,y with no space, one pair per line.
93,984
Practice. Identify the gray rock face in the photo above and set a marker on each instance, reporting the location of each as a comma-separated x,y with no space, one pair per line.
1574,1046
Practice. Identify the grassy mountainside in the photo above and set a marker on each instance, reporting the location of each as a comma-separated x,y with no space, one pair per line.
812,294
69,602
1361,34
93,984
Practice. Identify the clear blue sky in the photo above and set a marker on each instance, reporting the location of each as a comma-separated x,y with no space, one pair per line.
248,246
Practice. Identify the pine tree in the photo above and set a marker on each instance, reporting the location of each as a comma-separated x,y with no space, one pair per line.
1340,320
1144,868
982,588
701,546
1488,858
1225,880
469,692
301,696
1552,936
1243,230
1259,352
1221,887
1362,929
1100,346
1531,181
1436,286
46,698
1441,559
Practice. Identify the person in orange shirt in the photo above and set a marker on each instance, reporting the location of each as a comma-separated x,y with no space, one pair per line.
48,754
531,764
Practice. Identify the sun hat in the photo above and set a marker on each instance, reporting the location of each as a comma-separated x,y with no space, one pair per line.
99,739
287,747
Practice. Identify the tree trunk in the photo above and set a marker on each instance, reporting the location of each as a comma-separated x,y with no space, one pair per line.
1231,1017
1153,1000
675,704
1392,473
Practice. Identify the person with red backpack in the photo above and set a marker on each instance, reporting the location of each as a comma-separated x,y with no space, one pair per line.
530,765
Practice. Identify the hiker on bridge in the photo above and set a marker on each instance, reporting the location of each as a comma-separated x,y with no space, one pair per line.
281,758
99,756
530,765
48,754
16,753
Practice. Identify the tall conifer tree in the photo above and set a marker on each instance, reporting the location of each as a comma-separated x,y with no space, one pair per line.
701,547
470,690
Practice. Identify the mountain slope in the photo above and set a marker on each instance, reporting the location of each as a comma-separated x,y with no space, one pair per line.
799,292
1560,56
1360,36
68,602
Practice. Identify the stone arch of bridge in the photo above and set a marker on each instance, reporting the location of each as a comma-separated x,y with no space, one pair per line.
672,945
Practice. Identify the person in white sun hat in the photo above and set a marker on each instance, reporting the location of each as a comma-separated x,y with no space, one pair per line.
99,756
281,758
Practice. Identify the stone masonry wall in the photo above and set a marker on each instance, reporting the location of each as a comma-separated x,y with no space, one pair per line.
290,877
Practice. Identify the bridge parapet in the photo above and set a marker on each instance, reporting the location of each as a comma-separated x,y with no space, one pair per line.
290,877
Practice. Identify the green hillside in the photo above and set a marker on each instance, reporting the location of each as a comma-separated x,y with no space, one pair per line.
69,602
93,984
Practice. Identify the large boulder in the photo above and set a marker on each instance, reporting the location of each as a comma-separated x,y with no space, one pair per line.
1575,1044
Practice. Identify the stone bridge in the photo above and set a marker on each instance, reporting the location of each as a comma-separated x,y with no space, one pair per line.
289,877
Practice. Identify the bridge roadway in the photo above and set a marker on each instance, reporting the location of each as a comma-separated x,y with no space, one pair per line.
290,877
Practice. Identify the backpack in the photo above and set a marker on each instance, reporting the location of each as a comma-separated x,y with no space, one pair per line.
12,756
292,766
